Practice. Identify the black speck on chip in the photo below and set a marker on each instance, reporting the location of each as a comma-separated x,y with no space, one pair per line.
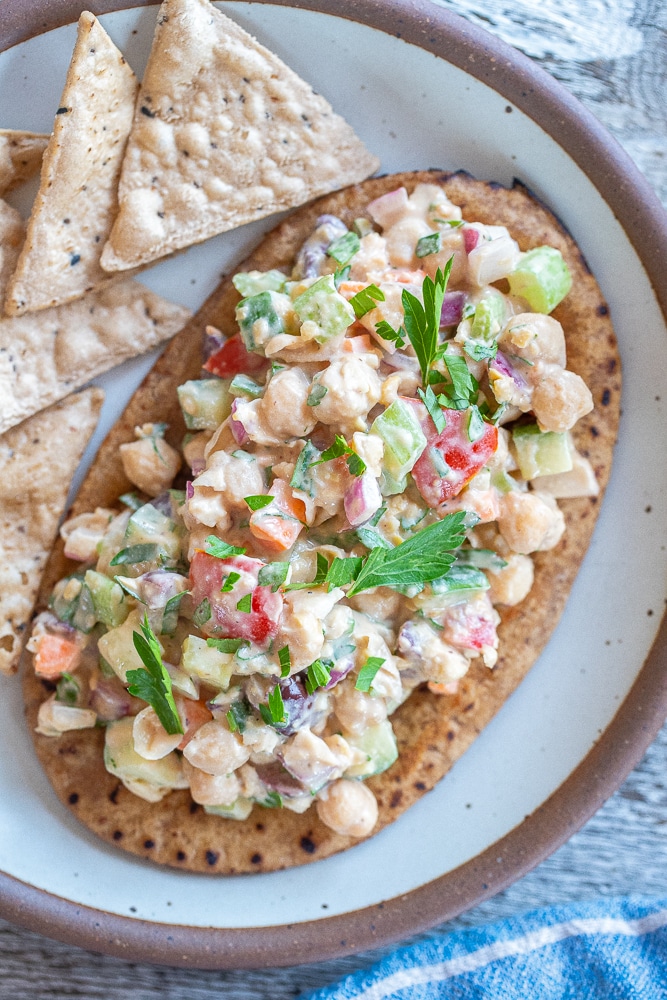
307,845
117,835
74,259
73,799
62,111
180,855
606,396
148,844
212,857
66,222
147,111
602,310
256,859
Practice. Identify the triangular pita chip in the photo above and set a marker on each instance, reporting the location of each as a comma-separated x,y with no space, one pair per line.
224,132
20,156
12,231
44,356
76,202
37,461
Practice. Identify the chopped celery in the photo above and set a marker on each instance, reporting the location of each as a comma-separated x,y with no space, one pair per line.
148,525
541,453
490,315
378,743
542,278
205,403
259,319
321,304
251,282
243,385
404,440
240,809
109,602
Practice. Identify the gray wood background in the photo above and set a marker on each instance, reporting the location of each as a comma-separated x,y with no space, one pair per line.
612,54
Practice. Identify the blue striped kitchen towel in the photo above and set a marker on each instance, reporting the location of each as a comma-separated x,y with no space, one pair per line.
615,949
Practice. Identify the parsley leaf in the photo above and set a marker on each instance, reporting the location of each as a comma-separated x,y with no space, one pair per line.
202,613
480,352
422,322
237,716
424,557
428,245
433,407
273,575
317,394
285,661
462,391
343,571
318,675
273,801
245,604
230,580
257,502
344,248
387,332
341,274
338,449
227,645
274,712
320,575
153,684
368,672
136,554
214,546
365,300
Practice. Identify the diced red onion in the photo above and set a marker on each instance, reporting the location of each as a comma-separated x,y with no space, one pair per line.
213,341
470,238
493,260
388,208
189,489
501,364
341,670
362,499
163,503
197,468
452,308
236,427
276,777
110,700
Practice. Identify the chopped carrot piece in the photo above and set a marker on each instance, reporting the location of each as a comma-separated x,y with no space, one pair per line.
349,288
278,525
55,656
450,688
193,715
358,345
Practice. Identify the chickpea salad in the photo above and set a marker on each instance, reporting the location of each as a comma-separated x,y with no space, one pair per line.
371,462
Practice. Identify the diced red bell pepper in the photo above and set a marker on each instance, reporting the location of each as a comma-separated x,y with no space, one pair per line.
260,624
464,458
233,359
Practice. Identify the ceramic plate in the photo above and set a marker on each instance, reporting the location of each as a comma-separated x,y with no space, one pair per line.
423,89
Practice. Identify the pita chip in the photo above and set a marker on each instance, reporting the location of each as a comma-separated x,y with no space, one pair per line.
20,156
76,202
224,133
45,356
37,461
12,232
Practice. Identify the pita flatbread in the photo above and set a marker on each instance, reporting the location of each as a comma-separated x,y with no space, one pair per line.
20,156
77,199
432,731
44,356
37,461
224,133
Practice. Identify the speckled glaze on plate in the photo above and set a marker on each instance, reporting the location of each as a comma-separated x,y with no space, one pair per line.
561,744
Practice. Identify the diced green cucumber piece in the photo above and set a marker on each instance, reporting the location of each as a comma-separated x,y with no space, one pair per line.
404,440
249,283
379,745
460,582
122,760
117,646
260,318
109,602
323,305
243,385
542,278
490,315
205,403
303,475
72,602
541,453
149,525
240,809
206,662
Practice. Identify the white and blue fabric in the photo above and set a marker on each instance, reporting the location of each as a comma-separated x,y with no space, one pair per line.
608,950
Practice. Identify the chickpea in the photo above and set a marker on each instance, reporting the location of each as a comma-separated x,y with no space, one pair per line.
356,710
55,718
348,807
283,409
151,741
83,533
402,240
150,463
215,750
529,522
211,789
353,388
511,584
560,399
536,337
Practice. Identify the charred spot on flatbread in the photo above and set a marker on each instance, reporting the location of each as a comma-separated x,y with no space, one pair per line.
37,462
77,199
432,731
224,133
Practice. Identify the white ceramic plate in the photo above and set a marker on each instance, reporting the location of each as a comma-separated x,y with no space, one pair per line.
415,110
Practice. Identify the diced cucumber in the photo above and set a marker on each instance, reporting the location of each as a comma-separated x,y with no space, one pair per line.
303,476
379,745
243,385
541,453
240,809
323,305
207,663
404,440
490,315
260,318
117,646
122,760
109,602
72,602
389,486
205,403
148,525
249,283
542,278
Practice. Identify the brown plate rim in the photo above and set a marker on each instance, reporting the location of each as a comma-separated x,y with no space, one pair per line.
639,718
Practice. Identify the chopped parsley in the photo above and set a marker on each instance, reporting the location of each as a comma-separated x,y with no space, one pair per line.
153,684
146,552
368,672
339,449
227,645
344,248
245,604
202,613
433,407
257,502
428,245
318,675
317,394
285,661
230,580
273,713
214,546
273,575
366,299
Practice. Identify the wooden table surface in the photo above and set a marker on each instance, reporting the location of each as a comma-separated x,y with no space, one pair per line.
612,54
